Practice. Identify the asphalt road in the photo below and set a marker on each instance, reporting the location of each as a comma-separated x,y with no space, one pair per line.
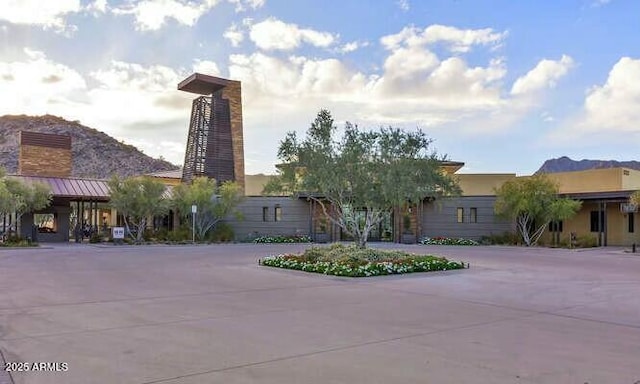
210,314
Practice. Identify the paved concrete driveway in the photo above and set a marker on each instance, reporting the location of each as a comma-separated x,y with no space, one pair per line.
211,315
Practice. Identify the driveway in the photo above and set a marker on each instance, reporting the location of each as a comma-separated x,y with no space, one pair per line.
209,314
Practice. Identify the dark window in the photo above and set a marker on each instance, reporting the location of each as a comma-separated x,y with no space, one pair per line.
594,221
555,226
278,213
631,218
265,213
460,213
473,215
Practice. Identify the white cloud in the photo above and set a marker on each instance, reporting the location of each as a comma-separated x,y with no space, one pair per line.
153,14
403,5
97,7
234,34
600,3
614,106
37,85
352,46
545,75
206,67
457,40
46,14
273,34
243,5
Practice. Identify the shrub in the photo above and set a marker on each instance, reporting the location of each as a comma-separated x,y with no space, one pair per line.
447,241
95,238
586,241
506,238
223,233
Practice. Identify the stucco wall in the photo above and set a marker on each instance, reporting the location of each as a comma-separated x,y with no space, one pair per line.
296,218
440,218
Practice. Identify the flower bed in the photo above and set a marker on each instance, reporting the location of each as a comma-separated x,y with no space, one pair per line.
282,239
447,241
341,260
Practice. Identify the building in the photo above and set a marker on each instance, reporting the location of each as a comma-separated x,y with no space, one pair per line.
215,149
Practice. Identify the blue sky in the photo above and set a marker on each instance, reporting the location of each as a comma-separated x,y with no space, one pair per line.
500,85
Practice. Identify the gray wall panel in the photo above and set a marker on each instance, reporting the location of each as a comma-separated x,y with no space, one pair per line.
296,217
440,218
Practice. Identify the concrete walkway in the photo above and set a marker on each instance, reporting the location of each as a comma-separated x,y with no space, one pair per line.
209,314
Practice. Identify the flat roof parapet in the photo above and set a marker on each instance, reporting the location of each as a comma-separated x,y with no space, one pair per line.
203,84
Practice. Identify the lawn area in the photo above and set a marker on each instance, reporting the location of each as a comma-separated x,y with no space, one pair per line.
342,260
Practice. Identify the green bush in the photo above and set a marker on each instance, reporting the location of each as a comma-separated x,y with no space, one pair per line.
586,241
182,233
506,238
222,233
17,241
95,238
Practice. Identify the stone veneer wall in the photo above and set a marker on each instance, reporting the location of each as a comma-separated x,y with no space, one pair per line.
44,154
233,92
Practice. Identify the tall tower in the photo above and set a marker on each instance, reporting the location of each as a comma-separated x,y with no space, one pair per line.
215,146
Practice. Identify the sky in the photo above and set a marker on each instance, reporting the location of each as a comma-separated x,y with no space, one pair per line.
500,85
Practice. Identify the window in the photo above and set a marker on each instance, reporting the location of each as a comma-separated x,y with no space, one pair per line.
265,213
631,218
460,212
278,213
46,222
473,215
594,221
555,226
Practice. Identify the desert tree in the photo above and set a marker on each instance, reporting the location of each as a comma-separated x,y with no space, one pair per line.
357,178
214,202
138,199
532,203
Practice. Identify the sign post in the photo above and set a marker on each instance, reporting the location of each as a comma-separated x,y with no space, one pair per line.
118,235
194,210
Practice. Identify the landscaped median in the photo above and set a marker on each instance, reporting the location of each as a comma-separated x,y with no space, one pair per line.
447,241
341,260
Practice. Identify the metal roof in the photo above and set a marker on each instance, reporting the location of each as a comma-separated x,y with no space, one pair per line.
73,188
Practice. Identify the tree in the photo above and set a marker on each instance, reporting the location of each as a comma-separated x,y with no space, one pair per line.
137,199
18,198
357,179
635,198
214,202
533,202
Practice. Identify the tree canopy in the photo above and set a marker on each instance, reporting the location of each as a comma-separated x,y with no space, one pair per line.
214,202
359,177
533,202
17,197
138,198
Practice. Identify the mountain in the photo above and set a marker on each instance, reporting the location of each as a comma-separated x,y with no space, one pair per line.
95,154
565,164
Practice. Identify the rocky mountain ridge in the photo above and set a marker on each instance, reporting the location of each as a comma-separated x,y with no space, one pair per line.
95,154
566,164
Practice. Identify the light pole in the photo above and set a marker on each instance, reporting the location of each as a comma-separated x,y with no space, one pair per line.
194,210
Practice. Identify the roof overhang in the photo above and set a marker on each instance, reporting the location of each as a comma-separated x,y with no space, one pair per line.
202,84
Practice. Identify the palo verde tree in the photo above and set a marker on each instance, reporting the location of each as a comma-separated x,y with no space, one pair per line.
359,177
214,202
533,202
18,198
137,199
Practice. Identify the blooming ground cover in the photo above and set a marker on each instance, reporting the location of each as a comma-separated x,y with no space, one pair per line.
447,241
341,260
282,239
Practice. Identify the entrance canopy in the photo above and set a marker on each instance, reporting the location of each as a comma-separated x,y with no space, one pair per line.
72,188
